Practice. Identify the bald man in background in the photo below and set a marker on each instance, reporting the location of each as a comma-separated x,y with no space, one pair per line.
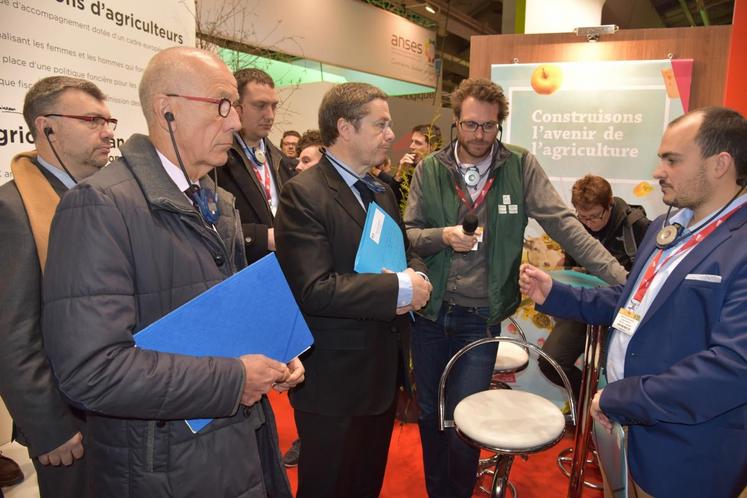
129,246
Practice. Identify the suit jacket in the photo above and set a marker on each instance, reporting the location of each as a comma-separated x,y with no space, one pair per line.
42,419
238,177
352,367
684,391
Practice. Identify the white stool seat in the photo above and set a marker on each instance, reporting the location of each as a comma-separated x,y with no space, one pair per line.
510,357
512,420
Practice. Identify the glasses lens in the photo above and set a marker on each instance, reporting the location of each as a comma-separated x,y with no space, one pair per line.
112,124
224,107
469,125
489,127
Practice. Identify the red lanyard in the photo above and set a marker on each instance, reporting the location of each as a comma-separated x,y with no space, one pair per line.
480,198
696,239
266,181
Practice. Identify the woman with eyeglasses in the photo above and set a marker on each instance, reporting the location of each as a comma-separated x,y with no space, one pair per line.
620,228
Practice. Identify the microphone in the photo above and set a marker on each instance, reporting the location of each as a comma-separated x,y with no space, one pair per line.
469,224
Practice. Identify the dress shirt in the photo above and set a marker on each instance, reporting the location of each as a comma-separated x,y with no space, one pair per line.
66,180
619,341
404,296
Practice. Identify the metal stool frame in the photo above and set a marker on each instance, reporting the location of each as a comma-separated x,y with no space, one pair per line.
505,455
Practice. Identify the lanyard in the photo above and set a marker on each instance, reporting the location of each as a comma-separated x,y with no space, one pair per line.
264,177
480,198
696,239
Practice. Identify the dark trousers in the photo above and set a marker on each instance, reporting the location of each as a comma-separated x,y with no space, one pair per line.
343,456
564,345
450,464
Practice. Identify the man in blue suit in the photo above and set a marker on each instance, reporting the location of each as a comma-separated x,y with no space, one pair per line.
677,358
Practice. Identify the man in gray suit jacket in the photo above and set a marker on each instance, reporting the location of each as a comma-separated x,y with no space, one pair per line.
72,127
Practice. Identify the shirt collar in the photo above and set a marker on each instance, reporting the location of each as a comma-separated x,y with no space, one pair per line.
66,180
175,172
344,171
684,215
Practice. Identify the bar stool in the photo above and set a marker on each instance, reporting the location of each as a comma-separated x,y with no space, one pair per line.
510,358
508,422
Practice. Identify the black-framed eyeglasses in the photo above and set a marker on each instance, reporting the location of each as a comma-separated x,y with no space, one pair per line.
93,121
224,104
488,127
592,217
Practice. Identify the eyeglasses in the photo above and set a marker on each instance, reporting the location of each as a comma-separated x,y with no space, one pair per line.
93,121
488,127
591,217
224,105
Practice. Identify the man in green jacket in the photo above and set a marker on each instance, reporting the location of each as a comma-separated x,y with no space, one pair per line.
475,274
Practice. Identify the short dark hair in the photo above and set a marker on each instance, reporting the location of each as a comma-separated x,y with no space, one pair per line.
251,75
482,90
432,134
290,133
590,191
309,138
723,130
43,95
348,101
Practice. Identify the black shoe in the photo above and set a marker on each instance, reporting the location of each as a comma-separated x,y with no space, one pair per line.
290,459
10,472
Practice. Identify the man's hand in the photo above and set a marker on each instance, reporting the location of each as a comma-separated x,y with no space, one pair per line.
421,289
457,239
597,414
270,239
295,377
66,453
407,162
535,283
261,374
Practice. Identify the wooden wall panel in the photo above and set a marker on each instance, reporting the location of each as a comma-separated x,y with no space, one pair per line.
708,46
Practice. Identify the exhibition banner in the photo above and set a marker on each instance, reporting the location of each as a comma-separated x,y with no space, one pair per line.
349,34
108,43
604,118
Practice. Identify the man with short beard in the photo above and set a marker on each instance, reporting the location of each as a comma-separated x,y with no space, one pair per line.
73,129
475,276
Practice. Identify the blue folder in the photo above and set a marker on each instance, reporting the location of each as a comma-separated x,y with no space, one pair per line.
251,312
381,245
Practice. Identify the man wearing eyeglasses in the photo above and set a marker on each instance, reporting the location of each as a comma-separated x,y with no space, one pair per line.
72,127
475,273
130,245
256,170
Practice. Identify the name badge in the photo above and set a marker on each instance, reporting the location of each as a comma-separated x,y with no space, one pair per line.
627,321
478,235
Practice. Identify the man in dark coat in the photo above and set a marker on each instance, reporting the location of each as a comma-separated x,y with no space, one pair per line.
129,246
345,410
256,170
72,127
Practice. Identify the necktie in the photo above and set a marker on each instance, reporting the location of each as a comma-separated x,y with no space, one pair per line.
366,195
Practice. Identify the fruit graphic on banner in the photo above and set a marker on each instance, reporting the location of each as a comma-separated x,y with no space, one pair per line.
546,79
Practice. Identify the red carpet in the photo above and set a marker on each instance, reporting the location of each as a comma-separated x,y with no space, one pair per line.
538,477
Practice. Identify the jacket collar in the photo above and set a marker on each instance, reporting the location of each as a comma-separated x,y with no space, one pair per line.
447,157
686,266
158,188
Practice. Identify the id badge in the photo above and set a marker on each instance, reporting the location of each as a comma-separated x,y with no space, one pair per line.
627,321
478,234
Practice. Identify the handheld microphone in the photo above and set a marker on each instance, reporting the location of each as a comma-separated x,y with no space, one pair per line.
469,224
49,131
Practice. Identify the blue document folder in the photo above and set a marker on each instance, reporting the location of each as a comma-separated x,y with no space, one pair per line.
251,312
381,245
